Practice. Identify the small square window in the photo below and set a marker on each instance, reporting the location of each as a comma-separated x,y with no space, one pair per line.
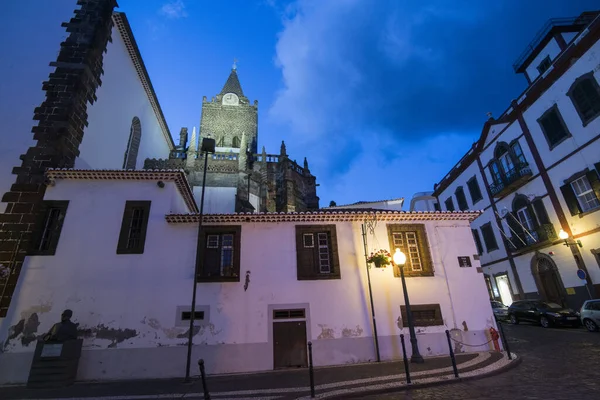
309,240
212,241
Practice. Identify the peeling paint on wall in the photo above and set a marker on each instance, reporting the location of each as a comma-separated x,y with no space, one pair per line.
326,333
358,331
26,328
38,309
116,336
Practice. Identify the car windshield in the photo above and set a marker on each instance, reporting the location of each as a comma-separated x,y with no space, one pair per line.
497,304
551,305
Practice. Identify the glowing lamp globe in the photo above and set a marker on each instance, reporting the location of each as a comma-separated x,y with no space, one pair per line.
399,257
563,235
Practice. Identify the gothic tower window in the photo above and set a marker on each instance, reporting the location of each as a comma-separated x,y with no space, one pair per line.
220,142
235,142
133,144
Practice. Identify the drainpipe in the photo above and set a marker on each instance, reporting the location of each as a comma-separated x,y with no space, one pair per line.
364,236
437,238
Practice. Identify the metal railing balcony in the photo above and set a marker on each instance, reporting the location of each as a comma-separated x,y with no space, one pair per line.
514,178
539,235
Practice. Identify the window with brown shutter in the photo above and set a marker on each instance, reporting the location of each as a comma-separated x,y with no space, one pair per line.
488,237
423,314
219,255
48,229
316,252
474,190
582,191
585,95
553,126
411,239
461,199
132,238
475,233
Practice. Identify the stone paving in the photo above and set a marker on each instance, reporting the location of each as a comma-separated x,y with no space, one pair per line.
556,364
291,384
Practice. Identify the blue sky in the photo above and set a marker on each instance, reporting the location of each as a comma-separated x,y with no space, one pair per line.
382,96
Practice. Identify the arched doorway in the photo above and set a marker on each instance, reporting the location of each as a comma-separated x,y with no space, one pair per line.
548,279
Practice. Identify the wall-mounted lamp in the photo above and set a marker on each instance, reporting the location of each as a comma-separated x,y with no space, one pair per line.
160,184
565,236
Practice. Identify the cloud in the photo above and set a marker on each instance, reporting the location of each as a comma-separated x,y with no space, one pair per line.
364,81
173,10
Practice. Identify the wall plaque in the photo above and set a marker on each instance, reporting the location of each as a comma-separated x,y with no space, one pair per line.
464,261
51,350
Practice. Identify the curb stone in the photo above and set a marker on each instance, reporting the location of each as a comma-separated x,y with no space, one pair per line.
372,392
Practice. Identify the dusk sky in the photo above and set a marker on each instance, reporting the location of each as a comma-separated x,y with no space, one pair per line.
382,96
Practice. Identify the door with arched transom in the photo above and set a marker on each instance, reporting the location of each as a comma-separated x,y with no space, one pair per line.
548,280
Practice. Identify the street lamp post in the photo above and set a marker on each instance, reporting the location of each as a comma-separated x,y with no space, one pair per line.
400,260
208,146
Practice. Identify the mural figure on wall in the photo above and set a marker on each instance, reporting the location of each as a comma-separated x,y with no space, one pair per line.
63,330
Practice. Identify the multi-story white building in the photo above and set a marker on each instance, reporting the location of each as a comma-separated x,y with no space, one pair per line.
535,173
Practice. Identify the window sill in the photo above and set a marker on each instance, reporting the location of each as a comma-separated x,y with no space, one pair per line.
323,277
555,145
208,279
588,212
590,120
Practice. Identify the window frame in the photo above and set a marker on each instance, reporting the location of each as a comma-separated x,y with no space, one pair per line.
438,320
477,240
581,79
470,182
459,193
570,197
40,228
562,123
313,270
220,230
122,244
422,244
450,201
547,63
489,248
579,196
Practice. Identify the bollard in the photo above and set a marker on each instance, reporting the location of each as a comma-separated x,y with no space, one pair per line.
311,374
405,359
452,354
203,377
495,337
504,341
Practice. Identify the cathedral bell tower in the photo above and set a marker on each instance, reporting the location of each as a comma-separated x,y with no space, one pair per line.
228,116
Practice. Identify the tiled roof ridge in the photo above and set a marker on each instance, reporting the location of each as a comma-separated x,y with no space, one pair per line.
177,175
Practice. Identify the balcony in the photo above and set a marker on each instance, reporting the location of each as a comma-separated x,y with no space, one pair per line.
542,234
514,178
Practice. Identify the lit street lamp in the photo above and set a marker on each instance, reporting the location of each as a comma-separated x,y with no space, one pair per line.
565,236
208,146
400,260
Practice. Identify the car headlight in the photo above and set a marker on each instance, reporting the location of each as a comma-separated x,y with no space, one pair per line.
552,314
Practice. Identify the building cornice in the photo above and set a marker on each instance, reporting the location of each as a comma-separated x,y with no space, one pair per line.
169,175
326,216
124,28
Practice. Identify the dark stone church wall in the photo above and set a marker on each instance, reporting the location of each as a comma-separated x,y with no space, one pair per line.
62,119
230,121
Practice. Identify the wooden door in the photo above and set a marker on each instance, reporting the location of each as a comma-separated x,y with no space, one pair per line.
289,344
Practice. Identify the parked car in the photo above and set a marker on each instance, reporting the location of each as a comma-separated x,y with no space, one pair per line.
590,315
500,311
543,313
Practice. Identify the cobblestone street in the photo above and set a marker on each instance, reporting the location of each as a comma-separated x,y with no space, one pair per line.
557,364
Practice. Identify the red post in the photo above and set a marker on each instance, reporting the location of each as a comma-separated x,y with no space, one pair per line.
495,336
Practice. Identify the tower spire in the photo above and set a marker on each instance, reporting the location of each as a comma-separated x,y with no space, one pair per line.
233,83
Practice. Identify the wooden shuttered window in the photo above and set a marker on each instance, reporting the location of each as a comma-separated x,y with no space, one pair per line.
540,211
411,239
474,190
585,95
585,196
423,315
461,199
488,237
553,126
449,204
317,252
477,239
48,228
220,254
132,238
